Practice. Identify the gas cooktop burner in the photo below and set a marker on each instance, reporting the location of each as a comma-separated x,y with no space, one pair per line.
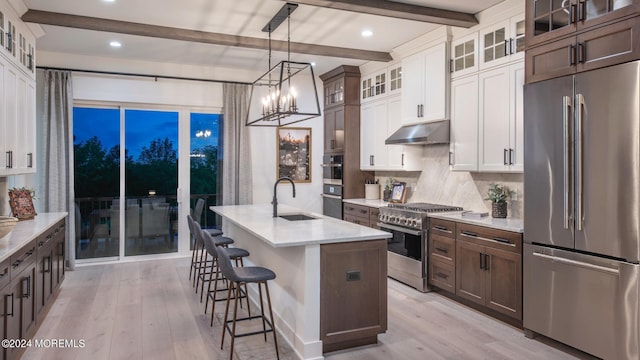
425,207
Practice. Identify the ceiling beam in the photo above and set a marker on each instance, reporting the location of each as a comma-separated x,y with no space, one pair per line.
398,10
163,32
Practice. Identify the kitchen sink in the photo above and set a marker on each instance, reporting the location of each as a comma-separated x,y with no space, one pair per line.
297,217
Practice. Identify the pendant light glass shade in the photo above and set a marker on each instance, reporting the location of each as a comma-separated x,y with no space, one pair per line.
284,95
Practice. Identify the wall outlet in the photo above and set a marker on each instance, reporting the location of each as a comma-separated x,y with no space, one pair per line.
514,195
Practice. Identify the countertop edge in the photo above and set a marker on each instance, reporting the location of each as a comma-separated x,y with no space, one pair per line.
13,245
382,235
377,203
509,224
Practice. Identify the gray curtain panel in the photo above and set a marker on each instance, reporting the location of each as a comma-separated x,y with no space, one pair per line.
236,164
56,173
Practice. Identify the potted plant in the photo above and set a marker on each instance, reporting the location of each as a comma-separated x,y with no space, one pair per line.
498,194
388,185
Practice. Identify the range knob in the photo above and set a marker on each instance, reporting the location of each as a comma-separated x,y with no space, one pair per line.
414,223
418,223
391,219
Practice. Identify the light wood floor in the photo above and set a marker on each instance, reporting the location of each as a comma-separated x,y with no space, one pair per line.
148,310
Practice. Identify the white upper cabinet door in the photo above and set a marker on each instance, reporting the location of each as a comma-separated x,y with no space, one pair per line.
494,116
400,157
425,88
464,123
395,80
373,133
502,43
436,101
516,156
373,86
10,119
413,69
464,55
501,118
20,155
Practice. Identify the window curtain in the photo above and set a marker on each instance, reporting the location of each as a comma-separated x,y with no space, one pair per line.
236,147
56,157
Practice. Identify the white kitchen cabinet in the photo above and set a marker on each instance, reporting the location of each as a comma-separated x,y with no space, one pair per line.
464,124
378,120
464,55
502,43
373,132
500,119
425,88
400,157
17,107
380,84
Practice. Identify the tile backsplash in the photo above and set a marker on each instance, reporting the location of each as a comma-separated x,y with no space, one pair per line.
436,183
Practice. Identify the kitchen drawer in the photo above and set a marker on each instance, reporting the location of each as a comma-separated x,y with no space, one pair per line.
442,275
441,227
356,210
5,273
374,213
23,259
498,239
357,220
442,248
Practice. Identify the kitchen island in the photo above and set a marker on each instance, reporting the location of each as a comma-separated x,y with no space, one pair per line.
330,292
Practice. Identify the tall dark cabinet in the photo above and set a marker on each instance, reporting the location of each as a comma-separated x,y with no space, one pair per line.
342,125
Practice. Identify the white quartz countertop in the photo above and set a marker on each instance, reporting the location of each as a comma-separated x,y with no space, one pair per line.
278,232
378,203
509,224
26,231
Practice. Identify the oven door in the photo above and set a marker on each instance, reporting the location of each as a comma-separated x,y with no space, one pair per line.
406,255
332,169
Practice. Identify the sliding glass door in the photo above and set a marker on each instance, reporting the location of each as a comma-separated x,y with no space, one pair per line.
132,192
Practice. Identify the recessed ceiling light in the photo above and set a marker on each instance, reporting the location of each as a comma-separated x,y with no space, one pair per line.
115,44
313,64
366,33
109,1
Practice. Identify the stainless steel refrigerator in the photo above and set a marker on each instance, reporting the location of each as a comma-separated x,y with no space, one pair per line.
582,210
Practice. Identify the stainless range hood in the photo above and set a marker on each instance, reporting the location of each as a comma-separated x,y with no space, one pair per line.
436,132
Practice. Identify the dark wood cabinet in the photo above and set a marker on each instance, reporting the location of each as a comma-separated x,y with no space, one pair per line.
549,20
334,130
361,215
608,45
442,254
489,268
353,296
342,126
565,37
29,281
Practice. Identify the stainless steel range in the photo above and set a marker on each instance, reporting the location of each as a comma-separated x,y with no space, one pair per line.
407,249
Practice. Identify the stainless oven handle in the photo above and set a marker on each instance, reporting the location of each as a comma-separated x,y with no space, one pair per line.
332,196
331,165
400,229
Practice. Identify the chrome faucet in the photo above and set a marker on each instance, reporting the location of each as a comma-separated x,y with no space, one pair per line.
275,198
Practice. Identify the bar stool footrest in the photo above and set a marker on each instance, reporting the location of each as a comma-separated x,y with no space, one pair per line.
268,330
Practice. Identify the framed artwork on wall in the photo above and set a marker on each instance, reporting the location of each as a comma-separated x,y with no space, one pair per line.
294,153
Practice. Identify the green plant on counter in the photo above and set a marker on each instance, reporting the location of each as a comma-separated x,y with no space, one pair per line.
498,193
389,183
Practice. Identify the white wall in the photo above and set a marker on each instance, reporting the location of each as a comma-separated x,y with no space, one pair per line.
263,154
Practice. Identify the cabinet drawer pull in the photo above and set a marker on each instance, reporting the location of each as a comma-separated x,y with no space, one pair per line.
442,228
506,47
572,14
572,55
581,53
442,250
481,261
16,263
501,240
48,263
511,157
5,299
442,275
504,157
582,11
363,211
27,293
486,261
468,233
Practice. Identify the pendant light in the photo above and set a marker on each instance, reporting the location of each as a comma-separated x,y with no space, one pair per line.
286,93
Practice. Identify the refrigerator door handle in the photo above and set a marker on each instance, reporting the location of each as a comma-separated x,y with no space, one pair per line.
581,264
566,143
579,160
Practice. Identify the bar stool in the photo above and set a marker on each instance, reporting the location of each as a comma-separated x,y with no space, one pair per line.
198,248
197,216
237,277
205,265
235,254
